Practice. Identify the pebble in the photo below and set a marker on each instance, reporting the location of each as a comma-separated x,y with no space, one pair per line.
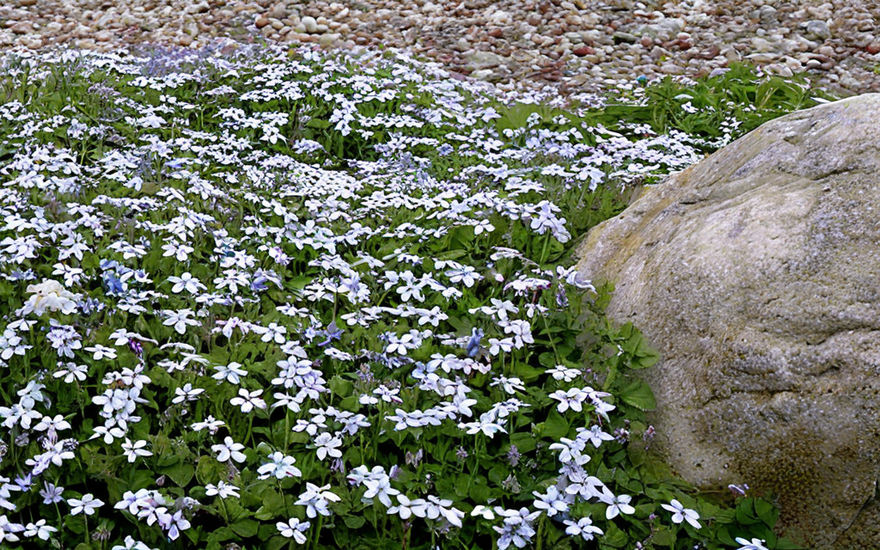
22,27
310,24
570,45
817,30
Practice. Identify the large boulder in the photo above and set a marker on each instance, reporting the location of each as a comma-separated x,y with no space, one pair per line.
756,273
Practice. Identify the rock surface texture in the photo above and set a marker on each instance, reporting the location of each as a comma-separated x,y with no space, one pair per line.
756,273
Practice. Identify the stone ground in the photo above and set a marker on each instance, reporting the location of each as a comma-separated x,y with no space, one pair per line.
572,45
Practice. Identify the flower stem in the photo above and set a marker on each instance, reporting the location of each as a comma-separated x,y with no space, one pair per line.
317,531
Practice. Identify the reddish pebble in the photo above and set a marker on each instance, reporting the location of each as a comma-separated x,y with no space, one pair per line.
873,47
583,50
496,33
647,41
261,22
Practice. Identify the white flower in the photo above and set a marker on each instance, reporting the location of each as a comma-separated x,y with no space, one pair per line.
232,373
293,528
39,530
229,449
618,504
248,400
680,513
186,282
186,393
551,501
131,544
222,489
52,424
49,295
179,319
100,352
381,489
281,466
316,499
133,450
755,544
584,527
328,446
407,508
87,504
594,435
483,511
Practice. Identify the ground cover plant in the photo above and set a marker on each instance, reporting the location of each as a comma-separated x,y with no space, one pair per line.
259,298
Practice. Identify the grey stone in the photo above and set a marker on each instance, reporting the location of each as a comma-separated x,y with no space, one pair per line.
309,24
479,60
625,37
483,74
663,30
756,273
817,30
767,15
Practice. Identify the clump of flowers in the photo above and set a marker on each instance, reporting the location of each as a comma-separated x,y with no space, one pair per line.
318,299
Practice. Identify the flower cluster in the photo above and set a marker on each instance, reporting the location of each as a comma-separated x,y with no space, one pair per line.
261,288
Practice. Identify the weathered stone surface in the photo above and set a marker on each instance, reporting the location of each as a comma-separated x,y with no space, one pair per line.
756,273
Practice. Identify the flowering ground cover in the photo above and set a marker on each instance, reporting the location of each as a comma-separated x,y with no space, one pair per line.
263,299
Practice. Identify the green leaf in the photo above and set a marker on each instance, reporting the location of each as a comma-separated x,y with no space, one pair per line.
767,512
245,527
663,536
221,534
614,537
354,522
75,524
340,386
639,395
181,473
745,512
555,426
209,470
273,504
318,123
526,372
479,491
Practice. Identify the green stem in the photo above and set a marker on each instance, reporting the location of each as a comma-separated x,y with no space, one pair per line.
225,510
317,531
550,338
540,540
281,492
544,249
286,429
250,435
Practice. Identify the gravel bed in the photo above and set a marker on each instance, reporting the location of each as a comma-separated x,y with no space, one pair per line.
571,45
